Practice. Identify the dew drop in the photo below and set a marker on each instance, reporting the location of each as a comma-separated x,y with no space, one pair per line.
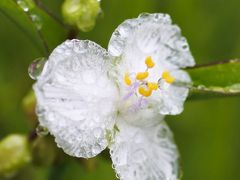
41,131
36,67
162,133
144,15
97,132
117,175
96,149
201,87
37,21
26,5
101,13
89,77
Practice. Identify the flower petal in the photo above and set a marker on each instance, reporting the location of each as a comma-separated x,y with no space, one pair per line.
144,153
76,98
151,35
172,96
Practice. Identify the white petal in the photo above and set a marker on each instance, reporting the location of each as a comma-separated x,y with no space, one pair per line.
171,97
144,153
154,35
76,98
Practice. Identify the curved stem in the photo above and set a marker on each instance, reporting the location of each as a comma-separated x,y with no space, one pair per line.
214,63
50,13
72,34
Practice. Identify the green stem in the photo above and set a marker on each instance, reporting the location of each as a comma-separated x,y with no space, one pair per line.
50,13
213,64
196,94
72,34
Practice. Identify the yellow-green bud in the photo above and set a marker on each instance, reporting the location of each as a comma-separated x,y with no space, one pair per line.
29,104
14,154
81,13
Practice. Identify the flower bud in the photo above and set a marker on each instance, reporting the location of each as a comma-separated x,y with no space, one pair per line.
14,154
29,104
81,13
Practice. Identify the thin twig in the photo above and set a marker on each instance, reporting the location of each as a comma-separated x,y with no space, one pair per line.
72,34
50,13
214,63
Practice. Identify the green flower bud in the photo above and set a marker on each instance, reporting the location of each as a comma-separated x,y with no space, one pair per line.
29,104
81,13
14,154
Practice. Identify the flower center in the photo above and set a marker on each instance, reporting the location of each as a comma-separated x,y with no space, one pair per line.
138,84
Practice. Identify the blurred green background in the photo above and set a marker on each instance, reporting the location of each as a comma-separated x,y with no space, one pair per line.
207,132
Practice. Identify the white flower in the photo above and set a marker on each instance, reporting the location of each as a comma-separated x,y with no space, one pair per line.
89,98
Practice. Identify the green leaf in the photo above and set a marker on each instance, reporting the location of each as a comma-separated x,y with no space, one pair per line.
217,79
42,30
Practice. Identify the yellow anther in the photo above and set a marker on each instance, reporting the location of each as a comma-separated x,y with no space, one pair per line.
127,79
142,75
149,62
168,77
152,86
145,91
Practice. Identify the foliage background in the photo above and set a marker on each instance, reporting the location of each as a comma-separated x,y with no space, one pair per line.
207,132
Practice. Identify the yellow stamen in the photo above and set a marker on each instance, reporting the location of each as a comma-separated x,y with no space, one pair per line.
142,75
152,86
145,91
149,62
168,77
127,79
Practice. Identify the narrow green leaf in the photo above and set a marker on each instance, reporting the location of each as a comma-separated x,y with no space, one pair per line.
11,10
217,79
42,30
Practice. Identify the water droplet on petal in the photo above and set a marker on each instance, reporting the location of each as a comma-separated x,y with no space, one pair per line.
41,131
37,21
89,77
36,67
97,132
26,5
117,176
96,149
162,133
144,15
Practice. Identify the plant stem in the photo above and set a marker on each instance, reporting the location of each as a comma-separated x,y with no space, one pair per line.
72,34
214,63
50,13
